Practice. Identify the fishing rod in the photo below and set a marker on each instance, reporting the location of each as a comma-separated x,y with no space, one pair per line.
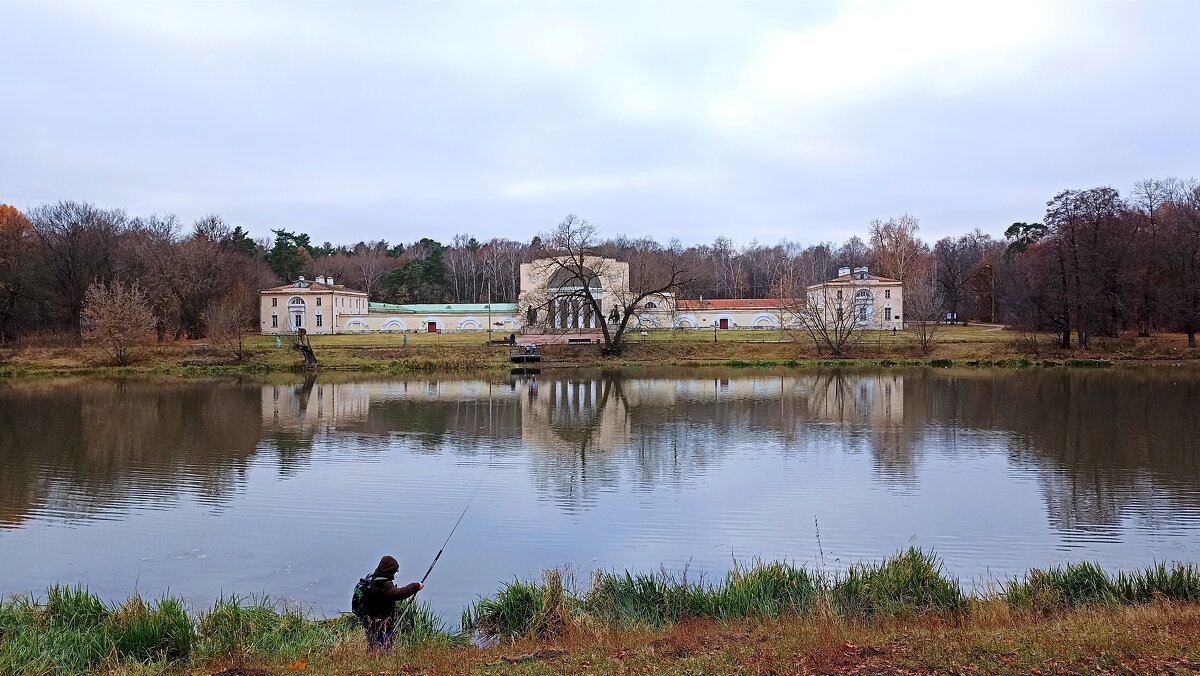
400,622
439,554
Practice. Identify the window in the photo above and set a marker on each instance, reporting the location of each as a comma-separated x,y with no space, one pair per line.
651,305
887,314
318,301
839,294
318,318
887,293
274,302
274,321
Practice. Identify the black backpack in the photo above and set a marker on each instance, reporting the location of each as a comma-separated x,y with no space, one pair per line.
361,589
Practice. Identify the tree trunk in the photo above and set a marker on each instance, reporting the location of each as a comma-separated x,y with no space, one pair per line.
1065,343
1191,337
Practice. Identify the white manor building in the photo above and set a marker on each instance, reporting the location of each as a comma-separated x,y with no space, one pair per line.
551,302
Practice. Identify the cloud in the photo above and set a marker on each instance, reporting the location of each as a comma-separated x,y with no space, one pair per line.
753,119
669,180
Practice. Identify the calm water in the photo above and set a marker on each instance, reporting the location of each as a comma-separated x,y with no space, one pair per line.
294,489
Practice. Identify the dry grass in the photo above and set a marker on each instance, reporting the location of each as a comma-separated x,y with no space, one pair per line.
970,345
1151,639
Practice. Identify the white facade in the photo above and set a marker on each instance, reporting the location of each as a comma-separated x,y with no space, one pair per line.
318,307
869,301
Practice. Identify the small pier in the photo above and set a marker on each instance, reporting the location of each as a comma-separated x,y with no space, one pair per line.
525,354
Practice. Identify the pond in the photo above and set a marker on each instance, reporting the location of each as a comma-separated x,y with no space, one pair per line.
294,488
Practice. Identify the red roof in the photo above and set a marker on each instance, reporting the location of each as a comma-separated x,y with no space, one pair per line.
730,304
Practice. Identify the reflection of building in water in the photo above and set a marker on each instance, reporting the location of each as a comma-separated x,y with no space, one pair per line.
314,406
579,413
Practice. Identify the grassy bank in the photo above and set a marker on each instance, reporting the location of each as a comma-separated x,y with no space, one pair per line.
900,614
386,353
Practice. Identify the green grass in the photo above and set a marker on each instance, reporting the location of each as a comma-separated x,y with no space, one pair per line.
511,612
73,632
908,584
255,628
1071,586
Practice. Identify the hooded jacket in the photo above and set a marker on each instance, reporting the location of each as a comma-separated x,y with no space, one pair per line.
380,602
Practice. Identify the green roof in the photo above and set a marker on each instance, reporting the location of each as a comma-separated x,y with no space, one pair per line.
434,308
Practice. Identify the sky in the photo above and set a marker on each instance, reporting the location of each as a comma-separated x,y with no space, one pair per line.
752,121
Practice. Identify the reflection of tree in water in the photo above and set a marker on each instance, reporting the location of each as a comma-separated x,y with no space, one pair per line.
1107,444
869,409
572,422
461,416
79,446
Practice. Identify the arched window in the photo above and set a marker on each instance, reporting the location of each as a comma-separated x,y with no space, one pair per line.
296,300
651,305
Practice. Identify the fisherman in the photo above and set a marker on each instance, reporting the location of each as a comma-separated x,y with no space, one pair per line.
379,604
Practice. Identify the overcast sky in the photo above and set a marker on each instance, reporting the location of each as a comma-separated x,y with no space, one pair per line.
404,120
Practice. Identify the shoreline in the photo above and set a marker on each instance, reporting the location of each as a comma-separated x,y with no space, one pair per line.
898,615
382,354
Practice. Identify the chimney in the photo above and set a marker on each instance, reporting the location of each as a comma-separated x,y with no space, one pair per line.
860,273
301,279
843,271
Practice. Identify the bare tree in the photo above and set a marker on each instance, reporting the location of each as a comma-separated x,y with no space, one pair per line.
371,266
900,252
77,241
232,318
573,275
827,315
1180,249
117,317
923,305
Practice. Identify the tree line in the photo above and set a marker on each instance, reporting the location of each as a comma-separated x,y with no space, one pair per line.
1096,264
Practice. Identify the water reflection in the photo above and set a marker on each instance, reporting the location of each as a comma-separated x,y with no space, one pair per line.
992,468
1101,443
